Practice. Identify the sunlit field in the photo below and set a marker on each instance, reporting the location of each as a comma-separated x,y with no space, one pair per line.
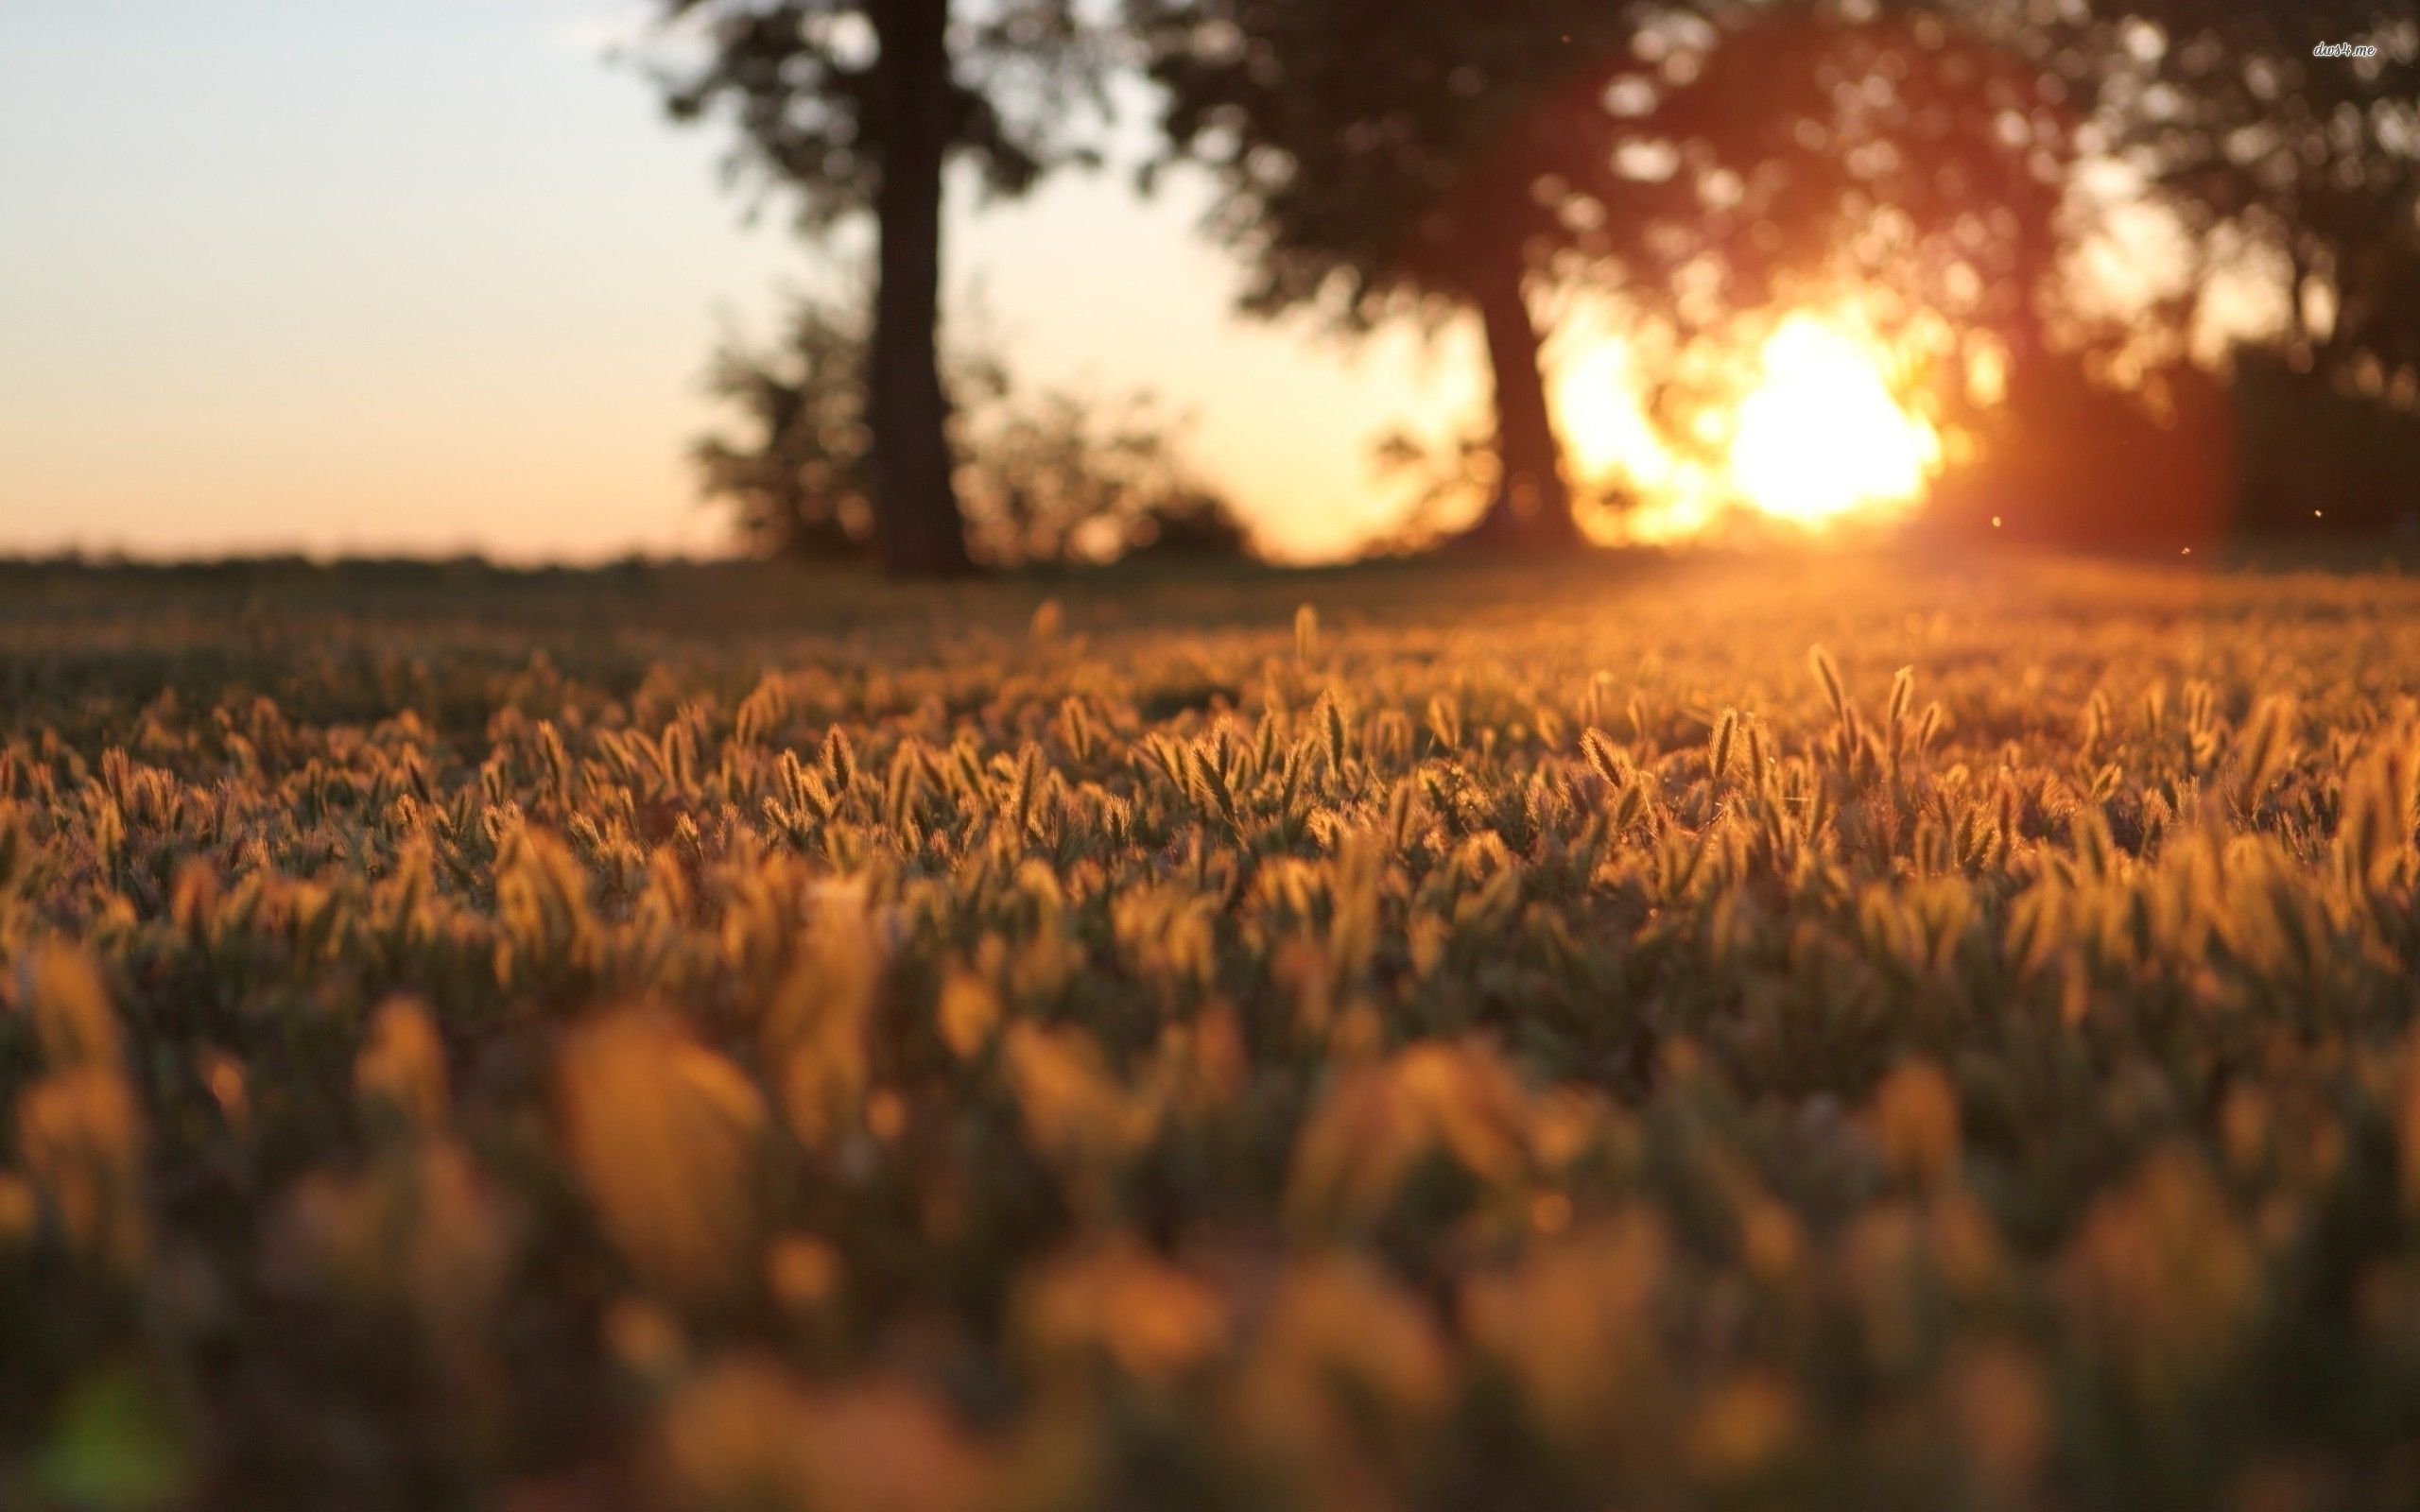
1821,1033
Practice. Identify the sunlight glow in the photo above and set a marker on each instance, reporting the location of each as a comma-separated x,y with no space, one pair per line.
1821,435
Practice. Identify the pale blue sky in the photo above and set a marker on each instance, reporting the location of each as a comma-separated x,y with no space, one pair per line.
429,274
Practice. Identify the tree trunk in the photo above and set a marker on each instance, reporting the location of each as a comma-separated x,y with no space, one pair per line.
918,529
2020,329
1532,505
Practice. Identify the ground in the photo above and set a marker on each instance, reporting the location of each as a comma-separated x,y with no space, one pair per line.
1908,1031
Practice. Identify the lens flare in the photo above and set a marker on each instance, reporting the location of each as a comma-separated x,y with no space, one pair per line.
1822,435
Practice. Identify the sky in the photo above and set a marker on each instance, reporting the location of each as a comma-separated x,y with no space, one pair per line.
427,276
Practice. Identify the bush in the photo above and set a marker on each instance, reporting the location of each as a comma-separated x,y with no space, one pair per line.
1045,476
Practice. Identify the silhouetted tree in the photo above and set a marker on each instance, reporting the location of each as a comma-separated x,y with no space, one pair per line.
1930,158
857,106
1918,151
797,474
1375,159
1046,477
1949,159
2308,164
2296,172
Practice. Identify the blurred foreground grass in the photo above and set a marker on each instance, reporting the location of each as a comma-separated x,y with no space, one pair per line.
1417,1038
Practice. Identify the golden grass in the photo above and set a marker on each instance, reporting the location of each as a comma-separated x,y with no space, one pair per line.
1819,1032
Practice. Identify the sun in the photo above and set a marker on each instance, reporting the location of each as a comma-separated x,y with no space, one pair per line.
1820,434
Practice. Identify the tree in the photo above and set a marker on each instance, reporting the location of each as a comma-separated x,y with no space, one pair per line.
1046,477
2297,171
1920,151
1928,162
855,108
1374,159
797,476
2279,159
1948,149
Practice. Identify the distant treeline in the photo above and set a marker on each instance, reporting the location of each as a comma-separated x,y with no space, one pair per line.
2263,451
1954,167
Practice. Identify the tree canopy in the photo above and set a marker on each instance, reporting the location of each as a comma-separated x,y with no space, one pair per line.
1374,160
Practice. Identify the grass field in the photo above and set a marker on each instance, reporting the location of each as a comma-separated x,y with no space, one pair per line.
1597,1037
